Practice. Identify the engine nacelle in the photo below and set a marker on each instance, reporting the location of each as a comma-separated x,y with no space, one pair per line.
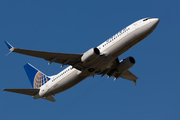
91,54
125,64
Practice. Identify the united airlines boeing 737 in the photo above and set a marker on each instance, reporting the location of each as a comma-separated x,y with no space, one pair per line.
99,60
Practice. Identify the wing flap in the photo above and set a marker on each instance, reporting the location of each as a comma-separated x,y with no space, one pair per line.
30,92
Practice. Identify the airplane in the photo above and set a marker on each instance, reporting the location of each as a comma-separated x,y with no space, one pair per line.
99,60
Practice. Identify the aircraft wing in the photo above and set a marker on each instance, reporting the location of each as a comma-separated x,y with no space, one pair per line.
125,74
62,58
129,75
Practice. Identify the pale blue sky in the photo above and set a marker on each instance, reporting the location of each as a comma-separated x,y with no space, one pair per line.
76,26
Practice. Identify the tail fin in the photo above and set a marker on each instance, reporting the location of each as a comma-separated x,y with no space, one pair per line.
36,77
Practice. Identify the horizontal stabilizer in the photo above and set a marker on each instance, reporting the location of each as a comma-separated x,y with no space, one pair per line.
30,92
50,98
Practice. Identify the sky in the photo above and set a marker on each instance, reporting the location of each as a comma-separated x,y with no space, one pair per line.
74,26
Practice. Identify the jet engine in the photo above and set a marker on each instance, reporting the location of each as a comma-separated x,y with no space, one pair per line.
89,55
125,64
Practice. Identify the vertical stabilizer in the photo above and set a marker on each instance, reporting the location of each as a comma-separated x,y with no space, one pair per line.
36,77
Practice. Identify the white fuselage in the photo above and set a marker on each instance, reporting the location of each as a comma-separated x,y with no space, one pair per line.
110,50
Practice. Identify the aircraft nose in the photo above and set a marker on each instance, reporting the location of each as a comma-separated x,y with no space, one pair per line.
155,21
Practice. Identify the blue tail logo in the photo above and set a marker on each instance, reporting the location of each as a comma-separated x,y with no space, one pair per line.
36,77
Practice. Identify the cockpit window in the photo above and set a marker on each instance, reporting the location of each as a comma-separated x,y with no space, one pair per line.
146,19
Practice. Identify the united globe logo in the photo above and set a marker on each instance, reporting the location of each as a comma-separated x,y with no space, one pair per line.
40,79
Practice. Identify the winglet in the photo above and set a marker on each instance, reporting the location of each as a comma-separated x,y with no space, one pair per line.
11,48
